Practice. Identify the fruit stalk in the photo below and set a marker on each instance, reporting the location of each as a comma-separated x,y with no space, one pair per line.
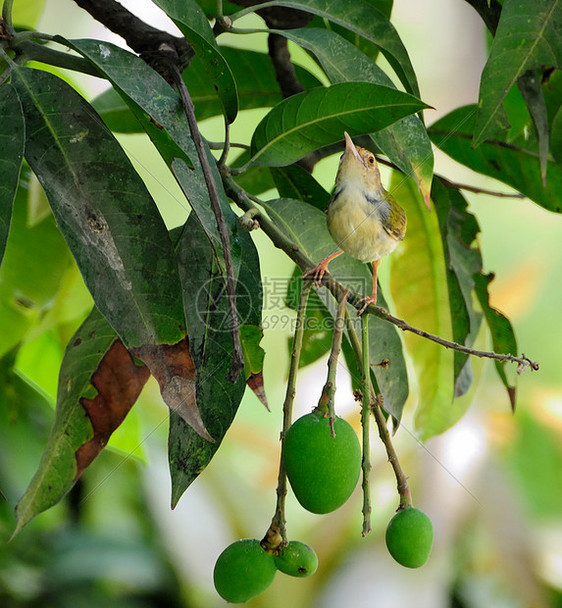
326,401
276,535
365,411
375,406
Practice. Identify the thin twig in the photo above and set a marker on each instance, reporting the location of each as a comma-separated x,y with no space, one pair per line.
365,426
279,239
326,401
375,405
237,356
276,535
478,190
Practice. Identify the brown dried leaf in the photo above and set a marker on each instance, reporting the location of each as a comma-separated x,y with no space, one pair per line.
119,383
173,368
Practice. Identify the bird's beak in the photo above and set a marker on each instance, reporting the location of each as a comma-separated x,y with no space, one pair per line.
350,147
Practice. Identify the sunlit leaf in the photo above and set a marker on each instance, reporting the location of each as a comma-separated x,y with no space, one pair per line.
528,36
104,210
193,24
510,162
12,139
405,142
33,271
419,288
305,122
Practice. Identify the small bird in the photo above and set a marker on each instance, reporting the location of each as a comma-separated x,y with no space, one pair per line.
363,218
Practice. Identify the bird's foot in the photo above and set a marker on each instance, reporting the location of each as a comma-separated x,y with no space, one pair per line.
366,301
316,274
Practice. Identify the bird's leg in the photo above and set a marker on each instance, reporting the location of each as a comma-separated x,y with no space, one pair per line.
320,270
372,299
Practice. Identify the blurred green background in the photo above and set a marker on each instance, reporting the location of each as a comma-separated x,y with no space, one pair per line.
492,484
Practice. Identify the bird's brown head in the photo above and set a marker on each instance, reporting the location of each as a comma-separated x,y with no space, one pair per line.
359,164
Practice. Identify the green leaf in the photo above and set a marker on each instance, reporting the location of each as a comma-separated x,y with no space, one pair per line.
77,434
193,24
503,336
528,36
115,113
459,231
254,75
529,84
306,227
305,122
295,182
12,140
365,20
104,210
419,287
405,142
511,162
254,355
210,340
35,266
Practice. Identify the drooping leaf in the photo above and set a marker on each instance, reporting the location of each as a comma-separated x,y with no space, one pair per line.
207,314
98,384
172,366
528,36
459,230
306,226
511,162
103,209
405,142
193,24
529,84
304,122
115,113
501,331
364,19
152,100
295,182
419,288
12,140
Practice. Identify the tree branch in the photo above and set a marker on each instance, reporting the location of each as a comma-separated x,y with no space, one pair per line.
279,239
141,37
237,356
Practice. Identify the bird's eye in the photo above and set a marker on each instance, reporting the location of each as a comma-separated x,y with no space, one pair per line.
371,160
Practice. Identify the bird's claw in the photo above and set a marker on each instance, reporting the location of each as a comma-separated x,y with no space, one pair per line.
316,274
366,301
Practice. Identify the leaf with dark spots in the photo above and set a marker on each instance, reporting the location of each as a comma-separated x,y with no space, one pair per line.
118,381
173,368
210,343
128,264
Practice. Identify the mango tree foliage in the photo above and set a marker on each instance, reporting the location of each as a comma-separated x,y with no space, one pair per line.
175,303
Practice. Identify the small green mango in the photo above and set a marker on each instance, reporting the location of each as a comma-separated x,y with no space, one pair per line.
297,559
243,570
322,470
409,537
